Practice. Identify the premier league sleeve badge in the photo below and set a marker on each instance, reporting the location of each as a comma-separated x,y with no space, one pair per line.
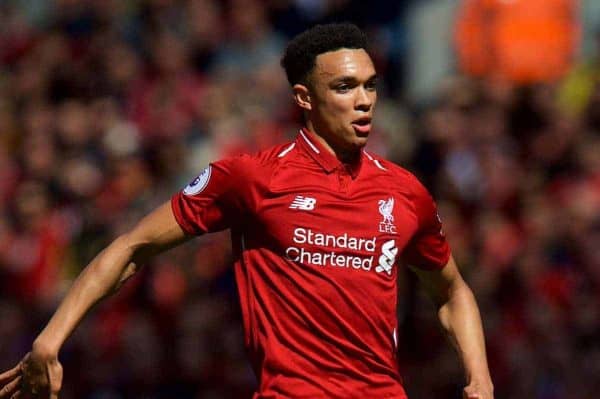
199,183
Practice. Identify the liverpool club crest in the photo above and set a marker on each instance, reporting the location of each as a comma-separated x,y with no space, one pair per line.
386,207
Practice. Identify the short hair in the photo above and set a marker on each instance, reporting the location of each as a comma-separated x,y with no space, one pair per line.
301,53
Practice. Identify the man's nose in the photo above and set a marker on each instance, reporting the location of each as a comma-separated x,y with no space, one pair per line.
364,99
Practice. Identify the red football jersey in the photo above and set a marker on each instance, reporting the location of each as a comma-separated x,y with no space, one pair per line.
316,245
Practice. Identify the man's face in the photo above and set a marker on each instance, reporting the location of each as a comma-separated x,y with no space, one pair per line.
342,90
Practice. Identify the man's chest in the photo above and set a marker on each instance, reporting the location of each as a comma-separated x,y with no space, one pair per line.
331,221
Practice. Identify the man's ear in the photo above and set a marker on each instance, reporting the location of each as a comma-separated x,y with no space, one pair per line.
302,96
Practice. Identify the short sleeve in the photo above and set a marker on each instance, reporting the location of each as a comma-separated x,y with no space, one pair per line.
428,249
214,200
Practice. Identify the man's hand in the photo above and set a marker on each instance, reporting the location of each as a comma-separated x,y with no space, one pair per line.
477,390
10,383
36,376
42,375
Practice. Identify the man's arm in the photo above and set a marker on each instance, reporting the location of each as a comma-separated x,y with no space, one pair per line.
40,370
459,315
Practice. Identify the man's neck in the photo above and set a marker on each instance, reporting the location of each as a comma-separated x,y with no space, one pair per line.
344,156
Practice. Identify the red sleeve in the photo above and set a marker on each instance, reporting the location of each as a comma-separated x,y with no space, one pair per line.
428,249
214,200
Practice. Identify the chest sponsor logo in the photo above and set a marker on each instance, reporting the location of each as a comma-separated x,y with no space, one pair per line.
341,250
389,251
386,207
303,203
199,183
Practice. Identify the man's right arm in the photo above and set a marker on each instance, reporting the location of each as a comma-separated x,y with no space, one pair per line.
104,275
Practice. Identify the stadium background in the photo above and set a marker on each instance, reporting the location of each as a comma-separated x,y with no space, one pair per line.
107,107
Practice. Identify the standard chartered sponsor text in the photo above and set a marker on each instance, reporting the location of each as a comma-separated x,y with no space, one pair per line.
307,236
331,241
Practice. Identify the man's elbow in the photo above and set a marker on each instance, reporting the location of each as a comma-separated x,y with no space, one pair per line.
134,245
131,269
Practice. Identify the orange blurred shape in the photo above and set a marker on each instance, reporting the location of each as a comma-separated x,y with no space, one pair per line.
521,41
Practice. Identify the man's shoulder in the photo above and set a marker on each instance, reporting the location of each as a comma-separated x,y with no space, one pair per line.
258,164
275,154
392,169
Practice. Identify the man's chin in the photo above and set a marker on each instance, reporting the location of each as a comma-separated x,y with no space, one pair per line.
360,142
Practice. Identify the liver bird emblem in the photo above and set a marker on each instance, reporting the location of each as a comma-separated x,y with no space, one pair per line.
386,208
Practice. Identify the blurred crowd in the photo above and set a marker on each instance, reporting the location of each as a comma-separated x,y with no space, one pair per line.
108,107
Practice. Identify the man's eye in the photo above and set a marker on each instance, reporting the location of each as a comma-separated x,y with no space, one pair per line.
371,85
342,88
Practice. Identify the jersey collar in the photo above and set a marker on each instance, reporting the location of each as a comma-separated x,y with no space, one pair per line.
329,162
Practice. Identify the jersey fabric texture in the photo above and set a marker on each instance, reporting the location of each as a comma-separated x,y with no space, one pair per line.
317,244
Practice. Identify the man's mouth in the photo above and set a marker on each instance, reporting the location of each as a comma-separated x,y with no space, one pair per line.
362,125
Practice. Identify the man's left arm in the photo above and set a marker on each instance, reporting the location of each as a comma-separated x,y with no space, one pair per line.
459,315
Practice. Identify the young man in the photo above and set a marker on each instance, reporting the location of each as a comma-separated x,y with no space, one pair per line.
319,228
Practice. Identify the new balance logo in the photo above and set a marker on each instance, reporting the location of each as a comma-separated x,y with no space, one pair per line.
303,203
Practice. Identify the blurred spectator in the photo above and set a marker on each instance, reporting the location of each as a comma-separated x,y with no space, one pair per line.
522,41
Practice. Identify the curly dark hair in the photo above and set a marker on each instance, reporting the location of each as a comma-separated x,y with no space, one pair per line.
301,52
